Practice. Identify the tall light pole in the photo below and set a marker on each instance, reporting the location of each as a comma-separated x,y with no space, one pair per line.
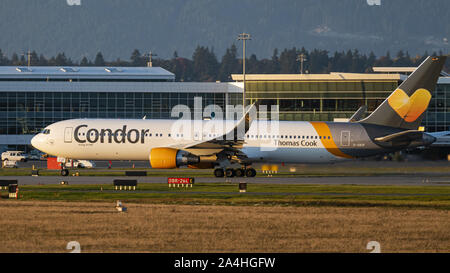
150,56
244,37
29,58
301,58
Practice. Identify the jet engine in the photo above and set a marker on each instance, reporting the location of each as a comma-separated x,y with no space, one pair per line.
169,158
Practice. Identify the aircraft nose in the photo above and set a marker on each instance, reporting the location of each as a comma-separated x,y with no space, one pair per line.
35,142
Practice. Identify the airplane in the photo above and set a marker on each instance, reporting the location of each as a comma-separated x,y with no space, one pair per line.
393,126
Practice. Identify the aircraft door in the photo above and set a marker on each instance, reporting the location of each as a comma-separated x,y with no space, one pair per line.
345,138
68,135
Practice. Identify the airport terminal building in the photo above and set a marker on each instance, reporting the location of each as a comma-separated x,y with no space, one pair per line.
33,97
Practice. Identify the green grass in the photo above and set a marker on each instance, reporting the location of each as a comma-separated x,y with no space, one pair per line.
257,194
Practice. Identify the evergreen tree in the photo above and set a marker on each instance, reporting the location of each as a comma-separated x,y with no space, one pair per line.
99,61
137,59
253,66
3,59
402,59
274,67
370,62
205,64
288,61
384,61
42,60
318,61
22,60
34,59
85,62
60,60
229,64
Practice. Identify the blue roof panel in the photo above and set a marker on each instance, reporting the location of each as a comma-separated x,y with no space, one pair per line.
85,72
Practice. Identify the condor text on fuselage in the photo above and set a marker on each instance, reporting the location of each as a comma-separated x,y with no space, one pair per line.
108,135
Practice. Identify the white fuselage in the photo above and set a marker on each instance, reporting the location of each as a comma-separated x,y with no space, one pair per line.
115,139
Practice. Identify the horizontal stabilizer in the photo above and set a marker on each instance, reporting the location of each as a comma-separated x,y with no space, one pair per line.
408,135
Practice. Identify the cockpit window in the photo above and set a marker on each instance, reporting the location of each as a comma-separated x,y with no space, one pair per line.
46,131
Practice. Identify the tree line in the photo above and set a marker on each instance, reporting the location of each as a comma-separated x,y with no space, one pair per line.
204,65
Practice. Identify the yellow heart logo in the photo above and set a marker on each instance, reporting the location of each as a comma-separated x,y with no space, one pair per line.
410,108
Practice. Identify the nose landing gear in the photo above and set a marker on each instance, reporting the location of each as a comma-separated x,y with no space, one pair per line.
64,172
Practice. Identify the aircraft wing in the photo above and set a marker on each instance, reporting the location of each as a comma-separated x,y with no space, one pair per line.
359,114
234,139
228,145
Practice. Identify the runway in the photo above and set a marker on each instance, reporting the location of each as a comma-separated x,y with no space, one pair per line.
409,180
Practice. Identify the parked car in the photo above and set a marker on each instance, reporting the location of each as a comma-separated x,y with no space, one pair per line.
14,156
35,155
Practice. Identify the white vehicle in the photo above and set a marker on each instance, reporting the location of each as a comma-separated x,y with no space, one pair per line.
10,164
79,164
223,144
14,156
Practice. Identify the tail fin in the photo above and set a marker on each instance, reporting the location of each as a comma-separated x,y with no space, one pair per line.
406,106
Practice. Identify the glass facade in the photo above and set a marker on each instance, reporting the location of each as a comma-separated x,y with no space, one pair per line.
319,100
438,114
326,100
29,112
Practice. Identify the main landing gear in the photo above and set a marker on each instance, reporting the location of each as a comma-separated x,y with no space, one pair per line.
241,172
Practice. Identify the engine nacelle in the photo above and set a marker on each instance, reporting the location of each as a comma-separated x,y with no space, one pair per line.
169,158
206,162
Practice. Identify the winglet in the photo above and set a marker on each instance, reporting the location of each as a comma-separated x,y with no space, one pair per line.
243,125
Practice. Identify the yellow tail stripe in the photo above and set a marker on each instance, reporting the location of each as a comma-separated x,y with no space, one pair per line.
323,130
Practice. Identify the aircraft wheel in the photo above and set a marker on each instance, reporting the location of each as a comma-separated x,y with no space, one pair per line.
64,172
230,173
250,172
239,172
218,173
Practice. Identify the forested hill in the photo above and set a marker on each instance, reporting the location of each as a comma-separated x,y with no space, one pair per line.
116,27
